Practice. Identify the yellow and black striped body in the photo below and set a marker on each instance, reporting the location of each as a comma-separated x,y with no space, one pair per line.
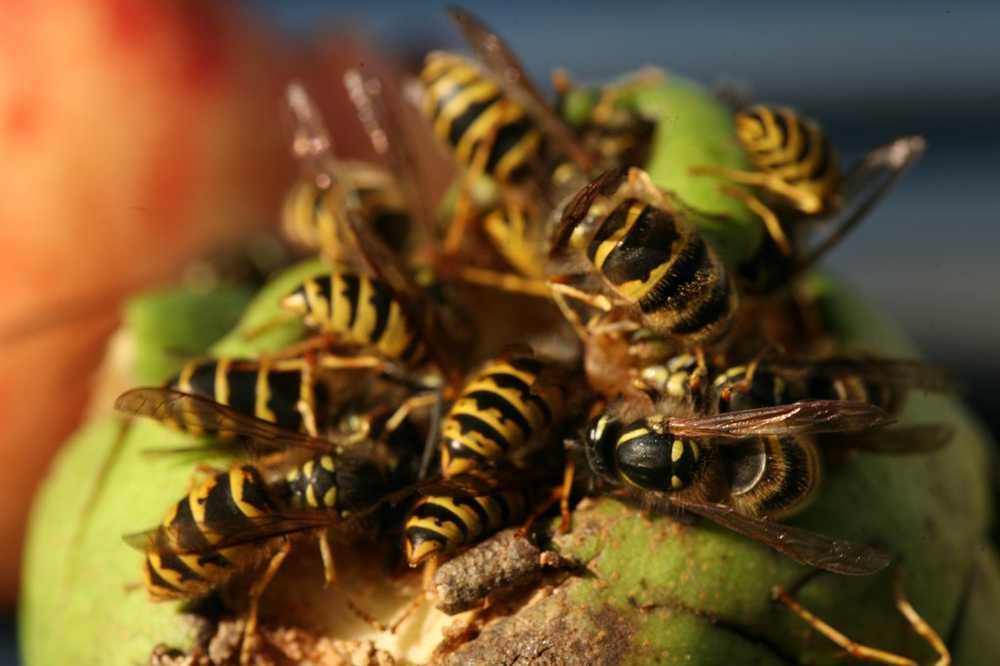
766,389
342,483
309,219
781,143
443,525
358,310
252,388
180,563
847,387
471,115
653,259
777,477
502,409
643,455
512,231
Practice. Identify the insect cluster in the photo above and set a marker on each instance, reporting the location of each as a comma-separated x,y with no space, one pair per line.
564,329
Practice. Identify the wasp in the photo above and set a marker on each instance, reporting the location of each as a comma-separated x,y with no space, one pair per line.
747,468
507,410
373,305
286,394
649,256
496,123
246,518
797,177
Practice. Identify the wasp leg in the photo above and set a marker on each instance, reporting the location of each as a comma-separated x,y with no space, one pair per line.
857,650
569,473
504,281
430,444
918,623
743,386
411,607
761,210
897,157
599,301
430,568
802,200
256,590
412,403
308,397
700,371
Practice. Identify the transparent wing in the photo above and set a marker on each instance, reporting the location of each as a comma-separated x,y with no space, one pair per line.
922,438
864,186
816,550
511,76
387,134
905,373
799,418
238,432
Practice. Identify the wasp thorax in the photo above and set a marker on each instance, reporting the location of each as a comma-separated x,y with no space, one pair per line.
652,460
314,483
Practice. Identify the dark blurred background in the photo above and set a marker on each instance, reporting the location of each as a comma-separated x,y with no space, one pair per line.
867,71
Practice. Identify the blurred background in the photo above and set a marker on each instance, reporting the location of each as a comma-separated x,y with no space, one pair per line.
132,126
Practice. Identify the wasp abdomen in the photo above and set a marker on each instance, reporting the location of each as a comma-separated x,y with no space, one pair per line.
442,525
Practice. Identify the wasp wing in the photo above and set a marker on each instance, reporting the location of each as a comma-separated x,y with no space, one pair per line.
816,550
864,186
512,78
237,431
904,373
798,418
921,438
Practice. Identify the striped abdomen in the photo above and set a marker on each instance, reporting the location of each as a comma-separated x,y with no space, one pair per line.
470,114
655,260
252,388
226,502
443,525
783,143
357,310
501,409
778,478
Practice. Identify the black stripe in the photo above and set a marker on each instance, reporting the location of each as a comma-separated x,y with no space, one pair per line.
242,391
614,221
794,478
823,163
324,286
807,144
646,246
461,123
414,349
156,579
285,388
418,534
670,291
507,381
457,450
352,287
470,423
255,490
507,138
442,514
381,300
221,511
202,380
490,400
481,513
784,135
172,562
528,364
709,312
185,533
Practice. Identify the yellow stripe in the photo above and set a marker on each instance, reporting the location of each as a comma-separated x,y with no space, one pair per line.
364,319
262,394
340,307
222,380
184,377
456,106
476,134
317,306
